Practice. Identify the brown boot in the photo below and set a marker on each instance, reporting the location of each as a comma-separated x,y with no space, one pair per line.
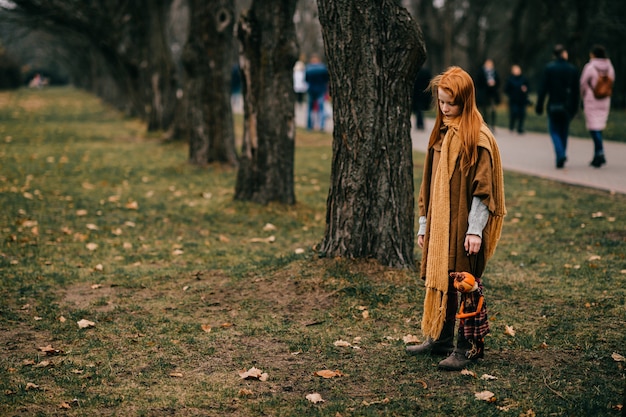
457,361
442,346
434,347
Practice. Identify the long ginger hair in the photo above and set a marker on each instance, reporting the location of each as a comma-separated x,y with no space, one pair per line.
459,84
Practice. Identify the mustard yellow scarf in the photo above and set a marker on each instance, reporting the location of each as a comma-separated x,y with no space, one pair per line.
436,296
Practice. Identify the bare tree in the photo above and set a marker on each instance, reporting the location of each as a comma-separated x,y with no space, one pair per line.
130,36
207,59
374,49
269,52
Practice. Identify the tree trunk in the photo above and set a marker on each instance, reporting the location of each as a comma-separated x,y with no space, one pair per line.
270,50
207,61
374,50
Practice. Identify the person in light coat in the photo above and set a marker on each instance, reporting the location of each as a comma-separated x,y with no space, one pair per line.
596,109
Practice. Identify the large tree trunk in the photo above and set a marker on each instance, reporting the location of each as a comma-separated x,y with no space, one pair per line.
207,61
270,50
374,50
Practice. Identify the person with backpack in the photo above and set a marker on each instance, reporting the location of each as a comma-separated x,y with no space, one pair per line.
560,84
596,85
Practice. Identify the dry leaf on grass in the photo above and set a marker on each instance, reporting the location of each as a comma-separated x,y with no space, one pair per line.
254,373
269,227
509,330
488,377
617,357
342,343
176,374
91,246
270,239
468,373
409,338
49,350
327,373
315,398
244,392
30,385
206,328
485,396
84,323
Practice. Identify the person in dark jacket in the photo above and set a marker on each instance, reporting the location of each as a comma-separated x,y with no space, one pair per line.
488,92
560,84
516,88
421,96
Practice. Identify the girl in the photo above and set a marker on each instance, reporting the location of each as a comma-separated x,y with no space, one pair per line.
461,208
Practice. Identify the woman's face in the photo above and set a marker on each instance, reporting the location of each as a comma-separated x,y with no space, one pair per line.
447,105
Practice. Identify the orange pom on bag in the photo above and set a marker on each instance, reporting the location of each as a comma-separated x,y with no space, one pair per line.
464,282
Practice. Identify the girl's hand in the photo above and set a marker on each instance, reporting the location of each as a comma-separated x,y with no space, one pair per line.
420,241
472,244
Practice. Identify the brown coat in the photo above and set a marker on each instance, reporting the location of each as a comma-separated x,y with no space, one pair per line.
478,182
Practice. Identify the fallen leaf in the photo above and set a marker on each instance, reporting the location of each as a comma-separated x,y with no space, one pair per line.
365,314
270,239
468,373
206,328
42,364
509,330
83,324
65,405
409,338
597,215
315,398
299,251
223,238
30,385
28,362
176,374
488,377
342,343
244,392
269,227
253,373
327,373
423,383
485,396
49,350
91,246
96,286
81,213
617,357
177,252
594,258
132,205
99,267
117,231
92,226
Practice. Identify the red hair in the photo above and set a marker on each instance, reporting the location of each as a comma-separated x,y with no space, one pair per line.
460,86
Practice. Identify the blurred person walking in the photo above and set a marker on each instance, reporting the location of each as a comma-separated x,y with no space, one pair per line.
488,92
560,84
316,76
516,88
596,108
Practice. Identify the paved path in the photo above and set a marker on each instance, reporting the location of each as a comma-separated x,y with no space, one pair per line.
533,154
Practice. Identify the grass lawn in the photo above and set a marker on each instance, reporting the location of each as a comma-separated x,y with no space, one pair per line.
181,288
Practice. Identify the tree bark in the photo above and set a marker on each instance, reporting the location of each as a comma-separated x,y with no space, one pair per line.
374,50
270,50
207,59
